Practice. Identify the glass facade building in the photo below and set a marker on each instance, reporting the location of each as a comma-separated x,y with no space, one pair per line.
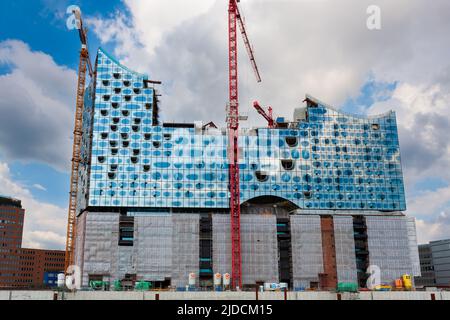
322,194
328,160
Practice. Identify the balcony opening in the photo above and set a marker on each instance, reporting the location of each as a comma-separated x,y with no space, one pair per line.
104,135
124,135
125,113
147,136
126,231
113,127
111,175
104,112
101,159
116,75
287,164
137,90
113,167
105,83
126,83
375,126
156,144
148,106
135,128
127,98
134,159
137,120
113,143
307,194
114,151
117,90
261,176
291,141
125,143
167,136
115,105
146,168
136,152
106,97
115,120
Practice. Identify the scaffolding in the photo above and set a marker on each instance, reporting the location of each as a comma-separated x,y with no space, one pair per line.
307,258
100,243
389,246
185,248
345,249
259,247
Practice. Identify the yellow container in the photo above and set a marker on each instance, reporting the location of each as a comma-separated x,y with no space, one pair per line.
407,283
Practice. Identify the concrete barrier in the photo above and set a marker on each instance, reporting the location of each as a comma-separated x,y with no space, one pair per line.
227,295
315,295
104,295
4,295
31,295
402,295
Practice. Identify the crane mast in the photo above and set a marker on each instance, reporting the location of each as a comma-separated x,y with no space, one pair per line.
84,66
234,19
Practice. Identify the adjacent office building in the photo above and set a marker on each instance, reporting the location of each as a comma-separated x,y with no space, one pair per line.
434,264
322,194
23,267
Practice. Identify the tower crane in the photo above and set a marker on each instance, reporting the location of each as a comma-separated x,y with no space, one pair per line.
84,65
234,19
266,115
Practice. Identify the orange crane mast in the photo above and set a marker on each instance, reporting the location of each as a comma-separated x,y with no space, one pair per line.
84,64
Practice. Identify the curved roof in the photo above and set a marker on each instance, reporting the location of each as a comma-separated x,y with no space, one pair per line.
386,114
143,75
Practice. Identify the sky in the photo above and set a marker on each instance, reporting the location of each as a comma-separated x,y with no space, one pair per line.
320,47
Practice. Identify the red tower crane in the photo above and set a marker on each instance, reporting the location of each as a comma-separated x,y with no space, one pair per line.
235,18
266,115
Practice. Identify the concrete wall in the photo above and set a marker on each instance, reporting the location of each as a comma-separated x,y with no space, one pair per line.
170,295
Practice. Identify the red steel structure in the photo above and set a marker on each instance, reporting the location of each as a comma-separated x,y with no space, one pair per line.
266,115
234,18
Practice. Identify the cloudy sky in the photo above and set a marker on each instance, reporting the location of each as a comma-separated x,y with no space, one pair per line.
320,47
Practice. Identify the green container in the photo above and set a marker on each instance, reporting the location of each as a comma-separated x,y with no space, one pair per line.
347,287
99,285
142,286
117,286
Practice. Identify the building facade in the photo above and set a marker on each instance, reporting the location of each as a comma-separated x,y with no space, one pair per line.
435,264
23,268
322,194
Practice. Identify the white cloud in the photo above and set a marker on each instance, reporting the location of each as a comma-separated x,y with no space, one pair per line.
37,107
39,187
45,223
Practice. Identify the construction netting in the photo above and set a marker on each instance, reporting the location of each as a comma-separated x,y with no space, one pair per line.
389,246
259,249
185,248
101,232
345,249
307,259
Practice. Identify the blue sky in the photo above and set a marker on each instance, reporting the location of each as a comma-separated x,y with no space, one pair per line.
403,67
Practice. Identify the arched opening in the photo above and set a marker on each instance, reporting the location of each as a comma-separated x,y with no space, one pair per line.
261,176
287,164
291,141
268,205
